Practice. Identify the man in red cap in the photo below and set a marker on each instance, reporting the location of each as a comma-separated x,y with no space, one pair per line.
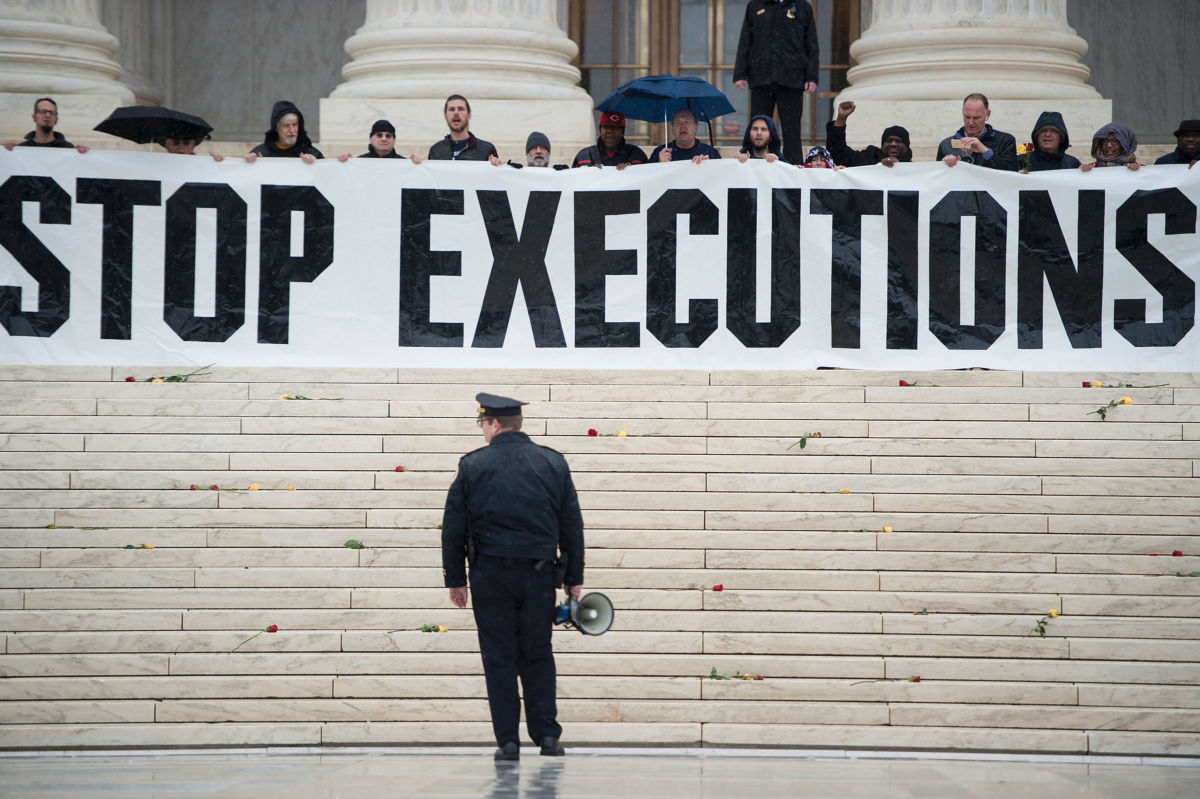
610,148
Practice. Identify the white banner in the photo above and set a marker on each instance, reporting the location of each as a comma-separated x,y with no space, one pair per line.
148,259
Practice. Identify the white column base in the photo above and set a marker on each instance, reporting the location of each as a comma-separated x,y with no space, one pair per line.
930,121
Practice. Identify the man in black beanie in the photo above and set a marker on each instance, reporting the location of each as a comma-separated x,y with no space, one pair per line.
894,144
383,142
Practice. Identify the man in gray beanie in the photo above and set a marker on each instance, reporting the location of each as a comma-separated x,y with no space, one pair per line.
537,149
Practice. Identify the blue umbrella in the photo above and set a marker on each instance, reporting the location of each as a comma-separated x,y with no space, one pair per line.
656,97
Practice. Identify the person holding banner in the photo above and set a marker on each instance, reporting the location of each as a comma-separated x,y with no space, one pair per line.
460,143
610,148
287,137
761,141
977,142
1114,145
45,117
894,145
512,513
1188,140
1050,143
685,146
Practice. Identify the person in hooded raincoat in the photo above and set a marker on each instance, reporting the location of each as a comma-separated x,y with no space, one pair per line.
287,137
1050,143
1114,145
761,141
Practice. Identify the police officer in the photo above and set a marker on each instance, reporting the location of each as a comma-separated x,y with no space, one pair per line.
510,512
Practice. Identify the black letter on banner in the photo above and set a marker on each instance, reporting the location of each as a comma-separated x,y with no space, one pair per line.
116,257
54,280
418,263
519,261
903,275
179,291
661,274
1177,289
741,279
277,269
945,262
593,263
845,285
1041,249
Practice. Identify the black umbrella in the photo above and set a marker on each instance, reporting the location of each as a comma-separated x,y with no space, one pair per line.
153,123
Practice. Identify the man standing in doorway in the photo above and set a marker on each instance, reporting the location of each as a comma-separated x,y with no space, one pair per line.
511,513
778,58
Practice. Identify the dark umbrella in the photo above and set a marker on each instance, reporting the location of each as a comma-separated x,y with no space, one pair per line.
153,123
656,97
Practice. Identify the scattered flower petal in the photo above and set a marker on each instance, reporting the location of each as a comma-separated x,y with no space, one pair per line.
1097,384
1052,613
291,488
274,628
1087,383
253,486
156,380
1126,400
283,396
131,380
1177,553
887,528
620,434
593,431
399,468
843,491
903,382
718,587
915,678
193,488
214,487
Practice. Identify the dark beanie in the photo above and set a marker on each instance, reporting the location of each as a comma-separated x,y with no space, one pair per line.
383,126
895,130
535,139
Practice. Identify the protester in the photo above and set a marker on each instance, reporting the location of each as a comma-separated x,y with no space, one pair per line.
287,137
1050,143
761,141
610,148
977,142
1187,139
45,117
513,514
894,145
685,146
460,143
819,158
1113,145
778,58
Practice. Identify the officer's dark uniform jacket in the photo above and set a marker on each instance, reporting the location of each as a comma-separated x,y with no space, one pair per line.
30,141
521,503
778,44
477,150
598,155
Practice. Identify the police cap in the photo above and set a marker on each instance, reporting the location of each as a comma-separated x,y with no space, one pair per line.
492,405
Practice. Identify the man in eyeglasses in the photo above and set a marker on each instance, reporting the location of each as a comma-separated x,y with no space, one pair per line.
511,512
45,117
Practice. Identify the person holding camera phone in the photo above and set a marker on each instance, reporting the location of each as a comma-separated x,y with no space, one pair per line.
977,142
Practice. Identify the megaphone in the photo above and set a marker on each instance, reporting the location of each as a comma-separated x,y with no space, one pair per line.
592,615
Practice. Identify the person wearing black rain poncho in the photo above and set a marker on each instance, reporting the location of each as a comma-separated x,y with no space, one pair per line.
1050,143
761,141
287,137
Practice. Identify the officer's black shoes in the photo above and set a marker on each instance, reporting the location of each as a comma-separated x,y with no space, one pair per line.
509,751
550,747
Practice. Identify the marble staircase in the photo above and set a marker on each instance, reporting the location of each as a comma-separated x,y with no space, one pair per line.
926,533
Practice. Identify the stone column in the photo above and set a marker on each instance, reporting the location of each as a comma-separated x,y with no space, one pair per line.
143,30
57,48
917,59
509,58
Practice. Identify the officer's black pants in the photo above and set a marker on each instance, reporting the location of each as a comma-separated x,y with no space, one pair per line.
763,100
514,612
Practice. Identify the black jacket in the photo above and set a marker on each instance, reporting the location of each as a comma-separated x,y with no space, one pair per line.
1173,157
843,155
677,154
370,153
477,150
270,146
778,44
1002,145
517,500
773,143
59,141
597,155
1045,162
